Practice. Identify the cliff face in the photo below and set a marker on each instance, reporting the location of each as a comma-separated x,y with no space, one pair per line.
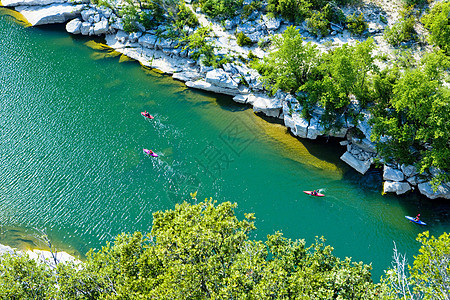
151,49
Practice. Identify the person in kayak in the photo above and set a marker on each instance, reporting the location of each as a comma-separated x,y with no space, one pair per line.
314,193
146,114
417,218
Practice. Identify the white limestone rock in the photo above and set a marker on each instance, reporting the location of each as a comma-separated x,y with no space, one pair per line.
46,257
14,3
220,78
240,98
365,144
297,124
74,26
314,129
358,165
409,170
271,23
392,174
50,14
426,189
86,14
148,40
396,187
6,249
85,28
269,106
186,76
101,27
206,86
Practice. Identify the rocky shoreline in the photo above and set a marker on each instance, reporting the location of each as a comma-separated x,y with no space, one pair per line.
234,79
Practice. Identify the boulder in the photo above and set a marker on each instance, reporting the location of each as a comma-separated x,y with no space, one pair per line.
134,36
220,78
121,36
364,126
269,106
298,125
392,174
14,3
240,98
86,14
51,14
358,165
396,187
85,28
148,40
74,26
206,86
246,28
101,27
256,36
271,23
443,190
365,144
314,129
409,170
186,76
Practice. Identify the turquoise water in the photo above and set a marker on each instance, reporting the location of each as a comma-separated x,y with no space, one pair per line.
71,140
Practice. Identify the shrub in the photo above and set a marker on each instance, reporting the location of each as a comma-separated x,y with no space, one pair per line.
402,31
292,10
356,24
221,8
437,22
186,17
318,24
243,40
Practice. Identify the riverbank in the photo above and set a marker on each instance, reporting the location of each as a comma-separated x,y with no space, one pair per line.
235,79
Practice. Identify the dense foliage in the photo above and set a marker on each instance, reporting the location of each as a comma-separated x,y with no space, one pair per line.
356,23
221,9
437,22
197,251
411,116
428,278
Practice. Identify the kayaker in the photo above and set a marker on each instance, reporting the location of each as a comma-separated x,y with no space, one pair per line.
417,218
314,193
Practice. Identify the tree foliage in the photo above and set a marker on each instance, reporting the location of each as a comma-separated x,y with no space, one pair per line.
410,121
437,22
428,278
203,251
289,66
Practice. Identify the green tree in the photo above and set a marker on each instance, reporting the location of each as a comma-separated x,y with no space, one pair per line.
438,25
23,278
428,278
289,66
403,30
342,74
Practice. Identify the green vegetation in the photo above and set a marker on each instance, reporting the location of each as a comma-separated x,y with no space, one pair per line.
221,9
412,113
242,39
290,66
438,25
203,251
428,278
197,251
356,24
403,30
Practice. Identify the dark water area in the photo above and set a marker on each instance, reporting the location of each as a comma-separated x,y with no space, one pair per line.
71,160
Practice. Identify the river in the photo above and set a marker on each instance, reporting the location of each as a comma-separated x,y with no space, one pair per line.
71,161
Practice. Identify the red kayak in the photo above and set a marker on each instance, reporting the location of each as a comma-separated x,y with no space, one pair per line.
317,194
147,115
150,152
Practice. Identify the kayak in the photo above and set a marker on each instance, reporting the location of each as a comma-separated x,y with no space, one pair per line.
310,193
150,152
413,220
149,116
